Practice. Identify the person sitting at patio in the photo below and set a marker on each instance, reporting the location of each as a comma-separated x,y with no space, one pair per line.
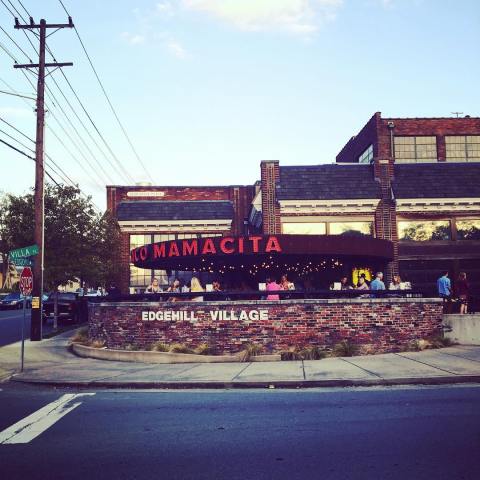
362,284
344,285
396,283
378,284
285,284
272,286
216,287
154,287
196,286
174,286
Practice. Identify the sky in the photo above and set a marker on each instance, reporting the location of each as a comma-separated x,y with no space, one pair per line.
206,89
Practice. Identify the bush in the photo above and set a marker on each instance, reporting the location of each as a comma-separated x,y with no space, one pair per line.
250,350
81,336
205,349
180,348
292,353
312,353
159,347
97,344
132,347
344,349
440,342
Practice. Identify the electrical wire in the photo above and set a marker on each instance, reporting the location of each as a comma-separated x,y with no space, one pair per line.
107,97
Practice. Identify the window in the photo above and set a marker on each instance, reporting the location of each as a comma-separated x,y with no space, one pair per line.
468,229
366,156
424,231
463,148
304,228
415,149
351,229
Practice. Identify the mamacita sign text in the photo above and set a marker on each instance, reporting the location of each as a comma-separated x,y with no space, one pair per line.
195,316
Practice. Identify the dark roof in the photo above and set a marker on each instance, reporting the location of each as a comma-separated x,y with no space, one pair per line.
327,182
437,180
178,210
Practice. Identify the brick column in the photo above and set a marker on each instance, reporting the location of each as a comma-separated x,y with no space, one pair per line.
270,176
123,277
385,215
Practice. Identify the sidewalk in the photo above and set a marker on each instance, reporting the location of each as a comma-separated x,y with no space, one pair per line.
50,363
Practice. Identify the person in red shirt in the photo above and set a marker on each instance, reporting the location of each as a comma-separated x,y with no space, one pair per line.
462,290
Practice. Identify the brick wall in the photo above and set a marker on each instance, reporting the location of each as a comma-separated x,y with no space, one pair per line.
385,324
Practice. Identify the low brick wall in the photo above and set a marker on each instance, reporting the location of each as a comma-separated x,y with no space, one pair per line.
385,324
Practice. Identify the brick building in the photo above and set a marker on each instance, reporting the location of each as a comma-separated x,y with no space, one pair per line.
413,182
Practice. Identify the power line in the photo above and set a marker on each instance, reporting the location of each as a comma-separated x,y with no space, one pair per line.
16,44
28,156
122,168
107,97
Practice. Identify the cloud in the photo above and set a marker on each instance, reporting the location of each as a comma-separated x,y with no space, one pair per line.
165,9
176,49
134,38
301,17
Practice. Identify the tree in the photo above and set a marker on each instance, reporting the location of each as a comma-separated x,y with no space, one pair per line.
79,243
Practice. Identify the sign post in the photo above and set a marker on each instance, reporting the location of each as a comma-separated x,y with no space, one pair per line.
26,286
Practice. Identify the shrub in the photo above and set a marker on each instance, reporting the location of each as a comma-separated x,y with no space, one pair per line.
344,349
97,343
441,342
159,347
292,353
81,336
312,353
132,347
205,349
367,350
180,348
250,350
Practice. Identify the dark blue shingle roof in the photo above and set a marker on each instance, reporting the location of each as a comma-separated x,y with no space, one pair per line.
175,210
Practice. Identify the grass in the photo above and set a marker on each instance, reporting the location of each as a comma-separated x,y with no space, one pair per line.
159,347
292,353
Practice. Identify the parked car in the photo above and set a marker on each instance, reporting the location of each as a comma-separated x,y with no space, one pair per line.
67,307
15,300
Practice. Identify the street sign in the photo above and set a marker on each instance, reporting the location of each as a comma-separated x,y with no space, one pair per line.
22,262
30,251
36,302
26,281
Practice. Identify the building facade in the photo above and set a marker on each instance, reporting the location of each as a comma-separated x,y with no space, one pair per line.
413,182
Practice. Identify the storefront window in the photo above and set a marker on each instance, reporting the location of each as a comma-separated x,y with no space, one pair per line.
351,228
468,229
304,228
424,231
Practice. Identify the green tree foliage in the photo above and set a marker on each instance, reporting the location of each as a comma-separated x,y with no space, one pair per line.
79,243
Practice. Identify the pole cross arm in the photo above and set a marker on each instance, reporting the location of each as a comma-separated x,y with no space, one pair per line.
49,25
47,65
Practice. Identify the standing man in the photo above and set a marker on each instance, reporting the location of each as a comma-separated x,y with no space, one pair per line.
377,284
444,288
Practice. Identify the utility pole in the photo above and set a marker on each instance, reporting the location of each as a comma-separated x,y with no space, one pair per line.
39,204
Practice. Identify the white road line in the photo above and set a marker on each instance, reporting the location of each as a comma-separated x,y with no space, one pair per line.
32,426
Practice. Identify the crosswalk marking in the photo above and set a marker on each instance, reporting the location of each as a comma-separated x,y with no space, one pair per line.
32,426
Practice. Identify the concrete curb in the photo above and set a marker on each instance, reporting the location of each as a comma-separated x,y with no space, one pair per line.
291,384
162,357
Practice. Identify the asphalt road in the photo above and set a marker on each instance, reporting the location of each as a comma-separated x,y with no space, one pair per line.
389,433
11,326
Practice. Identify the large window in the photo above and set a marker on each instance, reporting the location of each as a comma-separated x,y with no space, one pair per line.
463,148
468,229
415,149
424,231
366,156
304,228
353,229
